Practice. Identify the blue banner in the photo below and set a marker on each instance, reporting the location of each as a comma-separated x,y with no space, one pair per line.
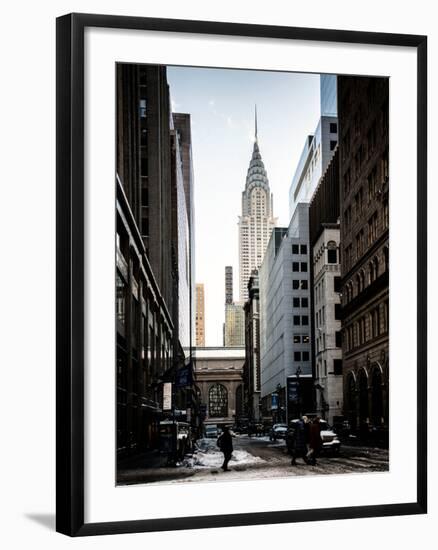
184,376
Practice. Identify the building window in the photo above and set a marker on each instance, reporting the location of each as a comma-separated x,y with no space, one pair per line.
333,144
295,266
297,355
337,284
218,401
304,249
347,181
305,339
303,267
297,339
371,139
332,256
305,320
304,302
372,229
305,355
337,367
338,339
142,108
295,284
333,128
295,249
372,184
296,302
338,316
121,299
385,214
296,320
303,284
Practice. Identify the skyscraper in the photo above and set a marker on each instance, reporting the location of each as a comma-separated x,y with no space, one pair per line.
257,219
234,332
318,148
228,284
200,316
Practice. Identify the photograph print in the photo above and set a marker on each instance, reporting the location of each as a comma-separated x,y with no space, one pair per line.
251,274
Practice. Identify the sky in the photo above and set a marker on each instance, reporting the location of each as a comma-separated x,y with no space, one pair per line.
221,103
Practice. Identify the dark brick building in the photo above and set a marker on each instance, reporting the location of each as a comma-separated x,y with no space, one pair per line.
147,257
364,184
251,369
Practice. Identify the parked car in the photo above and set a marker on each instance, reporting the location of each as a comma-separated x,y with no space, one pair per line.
278,431
330,440
211,430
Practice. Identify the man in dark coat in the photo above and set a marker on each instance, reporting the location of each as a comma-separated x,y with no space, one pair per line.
315,440
225,444
300,439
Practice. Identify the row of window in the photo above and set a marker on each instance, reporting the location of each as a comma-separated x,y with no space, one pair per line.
300,284
300,302
299,266
372,177
301,356
301,320
366,276
299,249
370,326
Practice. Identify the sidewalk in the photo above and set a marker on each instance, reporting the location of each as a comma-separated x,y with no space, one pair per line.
146,467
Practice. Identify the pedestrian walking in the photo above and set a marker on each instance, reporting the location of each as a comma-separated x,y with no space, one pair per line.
315,440
225,444
300,439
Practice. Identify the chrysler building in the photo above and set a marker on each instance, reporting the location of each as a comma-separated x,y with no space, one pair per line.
257,219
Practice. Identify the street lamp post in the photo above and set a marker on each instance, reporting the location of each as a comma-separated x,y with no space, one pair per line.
279,403
297,374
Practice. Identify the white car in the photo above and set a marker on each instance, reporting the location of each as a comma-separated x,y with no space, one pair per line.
330,440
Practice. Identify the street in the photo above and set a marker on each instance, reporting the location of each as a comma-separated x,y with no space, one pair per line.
253,458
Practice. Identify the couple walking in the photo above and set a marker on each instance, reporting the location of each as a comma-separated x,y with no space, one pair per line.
307,440
225,444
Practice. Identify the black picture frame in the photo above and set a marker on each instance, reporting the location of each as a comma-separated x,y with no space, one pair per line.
70,273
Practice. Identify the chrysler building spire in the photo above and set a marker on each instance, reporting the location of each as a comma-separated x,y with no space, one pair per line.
257,219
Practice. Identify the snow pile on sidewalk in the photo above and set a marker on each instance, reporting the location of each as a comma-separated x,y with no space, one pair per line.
209,457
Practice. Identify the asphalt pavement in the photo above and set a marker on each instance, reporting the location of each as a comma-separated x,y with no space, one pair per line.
253,458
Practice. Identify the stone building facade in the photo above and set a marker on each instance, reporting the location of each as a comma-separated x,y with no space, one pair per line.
326,294
219,383
364,187
327,322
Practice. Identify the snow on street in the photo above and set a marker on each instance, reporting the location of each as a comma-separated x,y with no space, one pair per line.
253,458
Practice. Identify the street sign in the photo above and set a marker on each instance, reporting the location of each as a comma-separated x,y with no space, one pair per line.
167,396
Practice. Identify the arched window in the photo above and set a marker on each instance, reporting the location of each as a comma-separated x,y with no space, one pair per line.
376,267
363,397
362,279
376,397
372,276
332,254
358,284
217,401
386,258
